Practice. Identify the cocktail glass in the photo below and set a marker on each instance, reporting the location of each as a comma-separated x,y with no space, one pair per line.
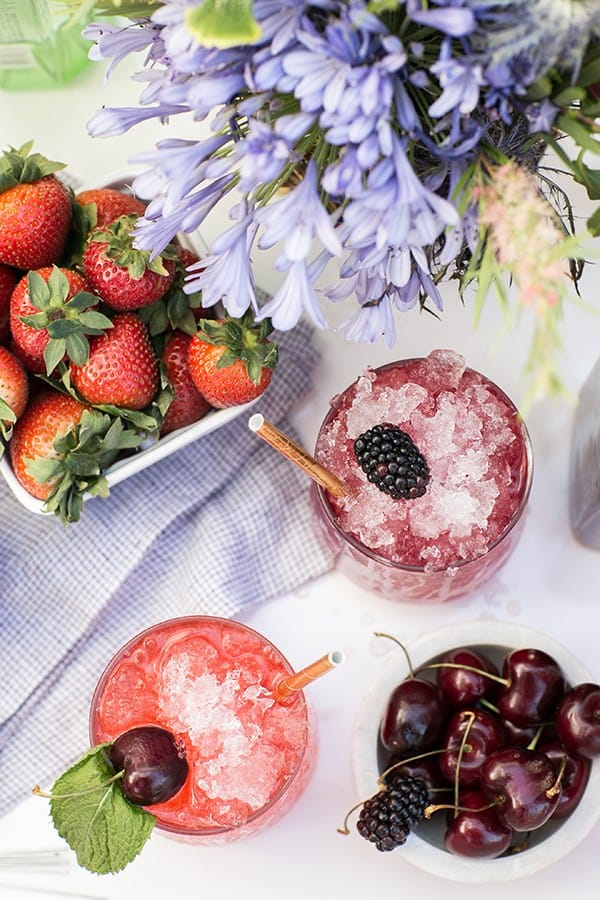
449,542
210,681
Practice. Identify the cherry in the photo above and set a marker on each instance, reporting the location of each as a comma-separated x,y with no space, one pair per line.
574,778
153,765
578,720
478,733
535,685
414,718
463,686
523,784
475,831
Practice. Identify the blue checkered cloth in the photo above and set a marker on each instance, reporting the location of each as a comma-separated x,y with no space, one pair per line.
218,526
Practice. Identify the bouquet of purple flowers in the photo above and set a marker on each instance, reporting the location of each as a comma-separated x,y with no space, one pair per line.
405,141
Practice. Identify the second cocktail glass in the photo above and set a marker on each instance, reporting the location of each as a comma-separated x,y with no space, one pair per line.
449,542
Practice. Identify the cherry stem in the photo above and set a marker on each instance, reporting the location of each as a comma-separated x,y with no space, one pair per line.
535,739
401,645
449,665
49,796
436,807
410,759
555,789
461,750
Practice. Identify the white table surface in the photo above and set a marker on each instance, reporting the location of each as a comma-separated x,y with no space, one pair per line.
551,583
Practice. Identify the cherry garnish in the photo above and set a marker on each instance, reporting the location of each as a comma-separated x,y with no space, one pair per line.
153,765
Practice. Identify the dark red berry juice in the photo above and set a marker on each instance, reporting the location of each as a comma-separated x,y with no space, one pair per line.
449,541
210,682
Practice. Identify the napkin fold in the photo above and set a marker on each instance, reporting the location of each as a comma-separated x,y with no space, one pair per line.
216,527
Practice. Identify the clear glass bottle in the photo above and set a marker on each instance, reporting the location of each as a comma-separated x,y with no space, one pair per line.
40,44
584,475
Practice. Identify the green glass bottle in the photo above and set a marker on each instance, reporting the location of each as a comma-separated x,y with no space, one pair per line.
40,44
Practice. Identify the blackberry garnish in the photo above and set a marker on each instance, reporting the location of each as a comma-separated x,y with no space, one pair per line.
387,818
392,462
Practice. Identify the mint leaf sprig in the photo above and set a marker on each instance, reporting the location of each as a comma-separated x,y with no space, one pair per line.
90,811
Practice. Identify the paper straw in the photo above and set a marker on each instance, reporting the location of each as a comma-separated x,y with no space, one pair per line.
296,454
288,686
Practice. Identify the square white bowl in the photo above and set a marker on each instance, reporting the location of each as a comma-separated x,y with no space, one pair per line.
155,449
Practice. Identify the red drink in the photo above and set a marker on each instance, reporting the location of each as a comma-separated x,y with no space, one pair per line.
209,681
452,539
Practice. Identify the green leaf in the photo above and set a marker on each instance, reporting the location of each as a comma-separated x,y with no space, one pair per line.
100,825
223,23
43,469
58,284
77,347
38,290
578,132
61,328
94,320
6,413
54,351
593,223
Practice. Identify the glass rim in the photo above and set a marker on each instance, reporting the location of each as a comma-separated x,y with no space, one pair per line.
361,548
212,830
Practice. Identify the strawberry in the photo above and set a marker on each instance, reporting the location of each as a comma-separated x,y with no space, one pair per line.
231,360
188,404
110,204
122,369
8,281
50,414
35,210
14,392
126,278
60,449
51,312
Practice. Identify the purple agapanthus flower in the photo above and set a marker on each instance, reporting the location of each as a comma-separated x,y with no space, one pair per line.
341,136
226,274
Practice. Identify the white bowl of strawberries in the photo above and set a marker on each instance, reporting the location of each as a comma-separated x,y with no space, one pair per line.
107,364
478,752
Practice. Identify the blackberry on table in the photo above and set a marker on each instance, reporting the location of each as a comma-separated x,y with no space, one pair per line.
392,461
387,818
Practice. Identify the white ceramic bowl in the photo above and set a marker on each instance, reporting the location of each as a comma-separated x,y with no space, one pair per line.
548,844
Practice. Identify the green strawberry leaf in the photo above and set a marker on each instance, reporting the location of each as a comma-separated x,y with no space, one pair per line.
18,166
7,420
83,455
242,339
54,352
38,290
6,412
77,346
223,23
90,811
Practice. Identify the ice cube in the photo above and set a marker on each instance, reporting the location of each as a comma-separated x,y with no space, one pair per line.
443,370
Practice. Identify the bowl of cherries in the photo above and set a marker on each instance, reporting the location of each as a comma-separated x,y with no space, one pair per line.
476,754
